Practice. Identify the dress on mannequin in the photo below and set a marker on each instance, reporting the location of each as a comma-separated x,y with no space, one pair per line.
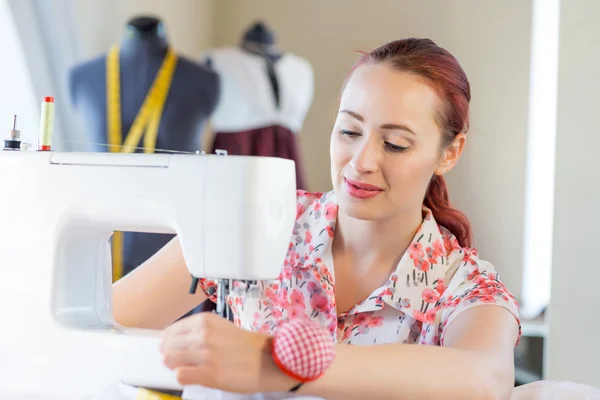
189,101
265,97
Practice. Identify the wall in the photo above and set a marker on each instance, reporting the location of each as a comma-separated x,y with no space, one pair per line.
189,23
489,182
574,325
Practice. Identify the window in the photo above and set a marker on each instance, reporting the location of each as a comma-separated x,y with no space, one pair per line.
17,95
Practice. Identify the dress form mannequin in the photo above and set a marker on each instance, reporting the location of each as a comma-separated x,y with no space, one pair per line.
191,100
265,96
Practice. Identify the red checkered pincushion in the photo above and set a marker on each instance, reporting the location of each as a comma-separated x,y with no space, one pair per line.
303,350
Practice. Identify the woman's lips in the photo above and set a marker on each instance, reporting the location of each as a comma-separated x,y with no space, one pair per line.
361,190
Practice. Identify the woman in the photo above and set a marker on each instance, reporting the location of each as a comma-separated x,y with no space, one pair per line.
381,260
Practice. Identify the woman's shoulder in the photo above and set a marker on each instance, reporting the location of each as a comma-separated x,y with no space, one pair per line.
471,280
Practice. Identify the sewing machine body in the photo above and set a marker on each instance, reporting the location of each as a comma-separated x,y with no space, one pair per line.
234,216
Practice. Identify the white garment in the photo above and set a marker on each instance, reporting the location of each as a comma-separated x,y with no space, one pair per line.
246,99
118,391
553,390
196,392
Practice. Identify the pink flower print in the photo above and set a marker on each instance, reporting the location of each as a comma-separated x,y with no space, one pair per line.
271,294
297,299
317,206
451,243
316,274
313,288
394,277
480,279
283,300
277,313
431,257
361,319
375,322
473,274
307,236
330,231
487,299
296,312
415,250
430,315
330,211
265,328
319,303
438,248
430,296
422,264
418,315
300,208
256,316
332,326
440,286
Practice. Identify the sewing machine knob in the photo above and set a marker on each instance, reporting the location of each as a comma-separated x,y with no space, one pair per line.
194,285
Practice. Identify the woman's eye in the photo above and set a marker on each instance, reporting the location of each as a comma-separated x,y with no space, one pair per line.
394,147
349,133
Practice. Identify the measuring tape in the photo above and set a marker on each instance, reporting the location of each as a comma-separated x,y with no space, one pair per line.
148,119
145,394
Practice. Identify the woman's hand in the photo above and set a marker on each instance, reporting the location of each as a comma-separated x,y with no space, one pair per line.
209,350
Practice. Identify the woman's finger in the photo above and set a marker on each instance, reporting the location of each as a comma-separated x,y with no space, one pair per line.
192,323
177,359
196,375
187,341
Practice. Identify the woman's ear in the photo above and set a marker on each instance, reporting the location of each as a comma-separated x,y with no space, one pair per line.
451,154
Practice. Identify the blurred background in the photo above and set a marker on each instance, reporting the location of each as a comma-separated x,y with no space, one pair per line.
526,180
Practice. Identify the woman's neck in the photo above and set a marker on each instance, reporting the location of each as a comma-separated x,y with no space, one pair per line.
375,242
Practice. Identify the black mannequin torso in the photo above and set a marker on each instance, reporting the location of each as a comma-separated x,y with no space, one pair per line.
192,98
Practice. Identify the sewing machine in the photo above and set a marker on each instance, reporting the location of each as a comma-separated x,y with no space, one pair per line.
234,216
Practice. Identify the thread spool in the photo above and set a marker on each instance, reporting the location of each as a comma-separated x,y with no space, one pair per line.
46,124
13,139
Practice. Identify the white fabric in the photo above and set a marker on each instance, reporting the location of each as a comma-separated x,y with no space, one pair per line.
118,391
246,97
196,392
553,390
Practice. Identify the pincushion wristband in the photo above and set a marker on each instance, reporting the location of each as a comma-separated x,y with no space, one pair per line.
303,350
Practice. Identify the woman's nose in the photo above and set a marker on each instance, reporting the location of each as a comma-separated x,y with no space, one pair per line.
366,158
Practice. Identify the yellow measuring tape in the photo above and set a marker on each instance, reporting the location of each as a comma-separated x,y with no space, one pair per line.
148,118
145,394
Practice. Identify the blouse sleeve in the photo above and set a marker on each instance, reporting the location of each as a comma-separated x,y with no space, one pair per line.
479,285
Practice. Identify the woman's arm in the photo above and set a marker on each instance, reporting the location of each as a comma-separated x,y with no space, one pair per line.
156,293
476,362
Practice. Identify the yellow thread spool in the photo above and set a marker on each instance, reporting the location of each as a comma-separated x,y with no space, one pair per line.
46,124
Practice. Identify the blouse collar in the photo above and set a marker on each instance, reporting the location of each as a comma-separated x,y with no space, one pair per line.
418,281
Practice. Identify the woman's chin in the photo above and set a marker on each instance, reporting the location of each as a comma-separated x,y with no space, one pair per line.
361,209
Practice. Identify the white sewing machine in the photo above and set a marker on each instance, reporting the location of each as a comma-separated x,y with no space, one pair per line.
234,216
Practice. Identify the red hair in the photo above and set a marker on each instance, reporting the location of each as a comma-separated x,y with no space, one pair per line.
444,74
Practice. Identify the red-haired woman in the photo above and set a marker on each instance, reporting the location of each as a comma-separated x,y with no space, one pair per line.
382,263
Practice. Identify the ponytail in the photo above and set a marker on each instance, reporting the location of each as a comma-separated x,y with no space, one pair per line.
456,222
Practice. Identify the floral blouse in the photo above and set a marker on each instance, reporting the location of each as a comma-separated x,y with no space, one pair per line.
434,282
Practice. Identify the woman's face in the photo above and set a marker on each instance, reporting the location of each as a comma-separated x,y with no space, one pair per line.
386,144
